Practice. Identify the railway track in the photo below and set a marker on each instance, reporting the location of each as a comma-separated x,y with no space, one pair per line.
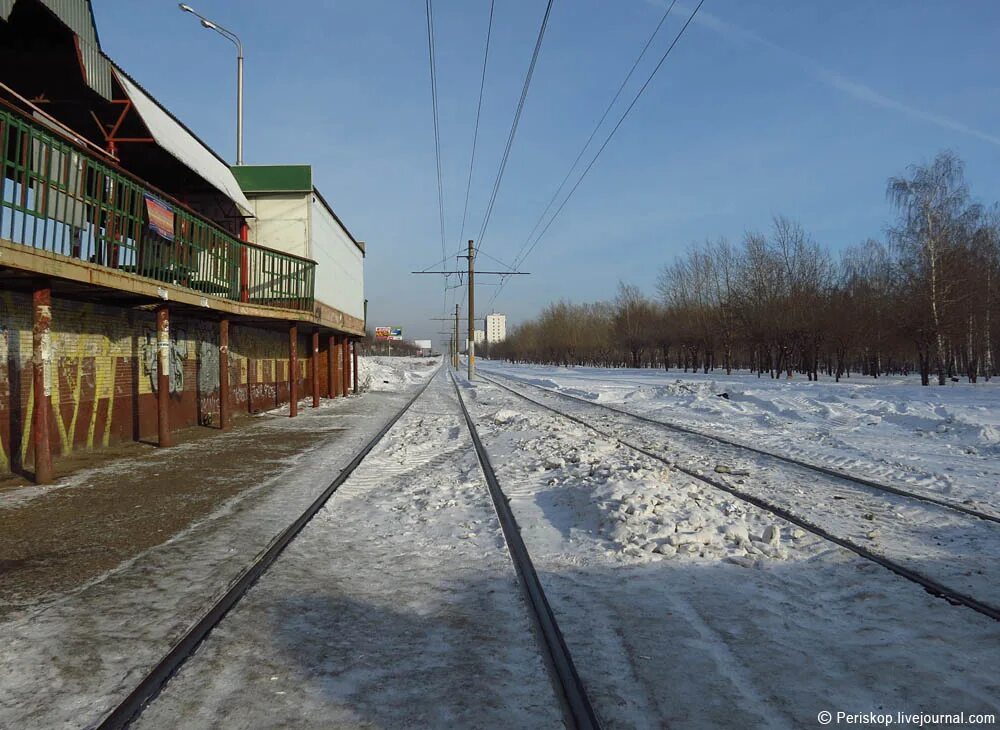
819,468
931,584
576,709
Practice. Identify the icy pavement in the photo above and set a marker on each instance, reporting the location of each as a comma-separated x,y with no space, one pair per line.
685,608
942,440
397,606
66,662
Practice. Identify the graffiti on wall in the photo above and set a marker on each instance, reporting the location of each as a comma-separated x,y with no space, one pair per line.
178,354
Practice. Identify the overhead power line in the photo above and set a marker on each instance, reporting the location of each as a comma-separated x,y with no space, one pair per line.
607,140
597,127
517,119
479,109
437,129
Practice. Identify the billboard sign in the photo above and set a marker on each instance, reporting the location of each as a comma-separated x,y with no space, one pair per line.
396,333
423,344
382,333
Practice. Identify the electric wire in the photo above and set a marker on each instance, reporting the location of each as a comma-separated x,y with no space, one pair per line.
607,140
517,119
597,127
479,110
429,7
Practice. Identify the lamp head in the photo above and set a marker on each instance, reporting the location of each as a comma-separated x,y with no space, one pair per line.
185,8
208,24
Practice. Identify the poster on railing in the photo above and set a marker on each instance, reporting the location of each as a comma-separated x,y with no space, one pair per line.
161,217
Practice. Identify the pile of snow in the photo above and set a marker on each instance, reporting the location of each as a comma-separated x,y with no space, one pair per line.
667,520
941,440
637,509
393,373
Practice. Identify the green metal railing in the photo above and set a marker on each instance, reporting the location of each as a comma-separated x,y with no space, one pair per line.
57,197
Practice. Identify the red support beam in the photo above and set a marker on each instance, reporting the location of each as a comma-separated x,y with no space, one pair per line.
314,368
354,351
251,372
331,367
293,371
338,364
345,349
225,407
41,351
163,376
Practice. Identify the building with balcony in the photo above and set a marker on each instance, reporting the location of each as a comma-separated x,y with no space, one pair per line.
139,291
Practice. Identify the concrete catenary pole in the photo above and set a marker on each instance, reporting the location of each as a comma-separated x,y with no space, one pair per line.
454,350
471,349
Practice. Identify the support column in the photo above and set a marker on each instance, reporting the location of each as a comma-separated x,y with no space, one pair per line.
163,376
225,407
331,367
346,365
251,371
314,367
41,359
293,371
354,351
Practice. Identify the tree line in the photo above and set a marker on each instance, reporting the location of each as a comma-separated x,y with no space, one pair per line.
923,300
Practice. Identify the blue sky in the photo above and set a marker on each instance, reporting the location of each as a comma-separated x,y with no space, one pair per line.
765,107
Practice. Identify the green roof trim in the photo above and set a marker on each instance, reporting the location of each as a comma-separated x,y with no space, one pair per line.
274,178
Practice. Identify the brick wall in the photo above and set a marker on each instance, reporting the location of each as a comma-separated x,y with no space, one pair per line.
104,373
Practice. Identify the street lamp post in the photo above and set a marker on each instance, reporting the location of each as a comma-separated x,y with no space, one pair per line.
235,39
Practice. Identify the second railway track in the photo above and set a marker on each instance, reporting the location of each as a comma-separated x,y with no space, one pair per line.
939,585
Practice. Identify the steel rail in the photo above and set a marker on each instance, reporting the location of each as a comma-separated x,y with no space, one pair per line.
773,455
147,690
577,709
928,584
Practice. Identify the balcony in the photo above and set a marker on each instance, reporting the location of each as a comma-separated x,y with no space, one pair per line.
59,197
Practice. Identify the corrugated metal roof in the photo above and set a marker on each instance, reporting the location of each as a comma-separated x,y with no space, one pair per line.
78,16
176,139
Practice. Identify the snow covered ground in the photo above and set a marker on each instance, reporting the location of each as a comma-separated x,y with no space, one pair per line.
686,608
397,606
943,440
67,661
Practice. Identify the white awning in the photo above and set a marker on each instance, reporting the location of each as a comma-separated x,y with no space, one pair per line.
183,145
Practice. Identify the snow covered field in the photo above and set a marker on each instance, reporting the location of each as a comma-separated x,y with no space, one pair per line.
944,440
681,605
686,608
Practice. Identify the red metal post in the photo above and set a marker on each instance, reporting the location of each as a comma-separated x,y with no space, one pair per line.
293,371
41,351
331,367
346,351
354,350
251,370
338,364
225,408
163,376
314,368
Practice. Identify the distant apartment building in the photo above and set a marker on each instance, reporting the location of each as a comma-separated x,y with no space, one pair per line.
479,336
496,327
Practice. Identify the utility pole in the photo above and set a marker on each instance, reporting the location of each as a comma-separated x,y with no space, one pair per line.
471,256
472,311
